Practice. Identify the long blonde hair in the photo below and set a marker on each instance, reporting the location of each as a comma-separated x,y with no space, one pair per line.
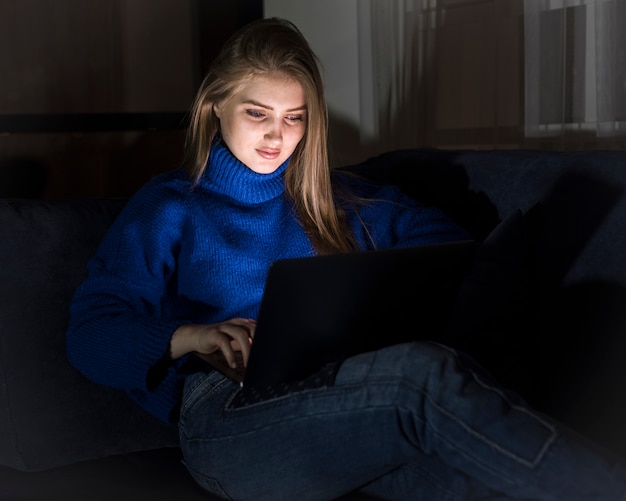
263,47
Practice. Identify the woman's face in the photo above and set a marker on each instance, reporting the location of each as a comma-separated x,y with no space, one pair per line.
264,121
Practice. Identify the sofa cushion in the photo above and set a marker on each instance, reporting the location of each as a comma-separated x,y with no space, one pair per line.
50,415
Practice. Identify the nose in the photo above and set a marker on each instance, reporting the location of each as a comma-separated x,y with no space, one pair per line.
274,132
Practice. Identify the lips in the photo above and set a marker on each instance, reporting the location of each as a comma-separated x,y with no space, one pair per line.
268,154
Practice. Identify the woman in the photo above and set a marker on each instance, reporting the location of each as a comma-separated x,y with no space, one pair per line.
182,270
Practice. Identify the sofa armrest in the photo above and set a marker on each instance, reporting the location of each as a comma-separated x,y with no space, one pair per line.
50,415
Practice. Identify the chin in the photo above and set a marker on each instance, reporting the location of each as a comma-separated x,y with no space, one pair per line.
264,168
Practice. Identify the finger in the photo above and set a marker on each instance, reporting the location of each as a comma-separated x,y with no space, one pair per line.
224,344
240,332
242,343
252,327
242,339
245,350
246,323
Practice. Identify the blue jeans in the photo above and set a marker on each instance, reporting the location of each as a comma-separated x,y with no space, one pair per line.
415,421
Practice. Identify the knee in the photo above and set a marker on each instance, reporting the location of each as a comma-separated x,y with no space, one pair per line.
433,362
423,360
427,354
442,358
406,361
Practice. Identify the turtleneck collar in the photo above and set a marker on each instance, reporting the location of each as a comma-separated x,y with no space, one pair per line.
225,174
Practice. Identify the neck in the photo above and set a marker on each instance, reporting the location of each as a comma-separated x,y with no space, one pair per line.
227,175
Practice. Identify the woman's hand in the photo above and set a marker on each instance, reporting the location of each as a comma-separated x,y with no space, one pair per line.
229,336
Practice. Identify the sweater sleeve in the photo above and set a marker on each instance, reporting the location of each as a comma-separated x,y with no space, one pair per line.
117,332
391,218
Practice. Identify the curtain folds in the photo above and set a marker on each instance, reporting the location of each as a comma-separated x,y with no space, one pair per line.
391,49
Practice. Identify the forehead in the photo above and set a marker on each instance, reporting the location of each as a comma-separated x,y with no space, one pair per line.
275,90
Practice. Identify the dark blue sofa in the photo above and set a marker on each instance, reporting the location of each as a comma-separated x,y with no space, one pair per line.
542,308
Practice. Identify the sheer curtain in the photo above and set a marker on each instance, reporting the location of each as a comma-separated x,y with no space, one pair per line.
575,71
391,49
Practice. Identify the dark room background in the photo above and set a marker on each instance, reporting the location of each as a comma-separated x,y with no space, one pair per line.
93,93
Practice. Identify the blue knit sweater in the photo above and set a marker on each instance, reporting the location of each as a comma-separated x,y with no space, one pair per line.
179,255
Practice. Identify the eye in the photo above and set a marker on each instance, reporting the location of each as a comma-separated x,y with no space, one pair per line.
257,115
293,119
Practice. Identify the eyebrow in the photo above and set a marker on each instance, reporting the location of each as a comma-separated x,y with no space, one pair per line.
256,103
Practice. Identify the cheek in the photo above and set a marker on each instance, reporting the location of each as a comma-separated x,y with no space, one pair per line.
236,132
295,135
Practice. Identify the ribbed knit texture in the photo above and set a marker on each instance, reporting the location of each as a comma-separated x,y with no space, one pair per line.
179,255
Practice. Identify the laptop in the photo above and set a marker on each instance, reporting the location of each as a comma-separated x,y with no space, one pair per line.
322,309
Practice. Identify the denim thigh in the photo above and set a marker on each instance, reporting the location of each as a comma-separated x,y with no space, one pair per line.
413,421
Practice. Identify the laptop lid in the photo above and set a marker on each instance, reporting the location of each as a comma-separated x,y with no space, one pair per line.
321,309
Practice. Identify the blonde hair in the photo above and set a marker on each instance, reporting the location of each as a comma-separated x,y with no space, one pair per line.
264,47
